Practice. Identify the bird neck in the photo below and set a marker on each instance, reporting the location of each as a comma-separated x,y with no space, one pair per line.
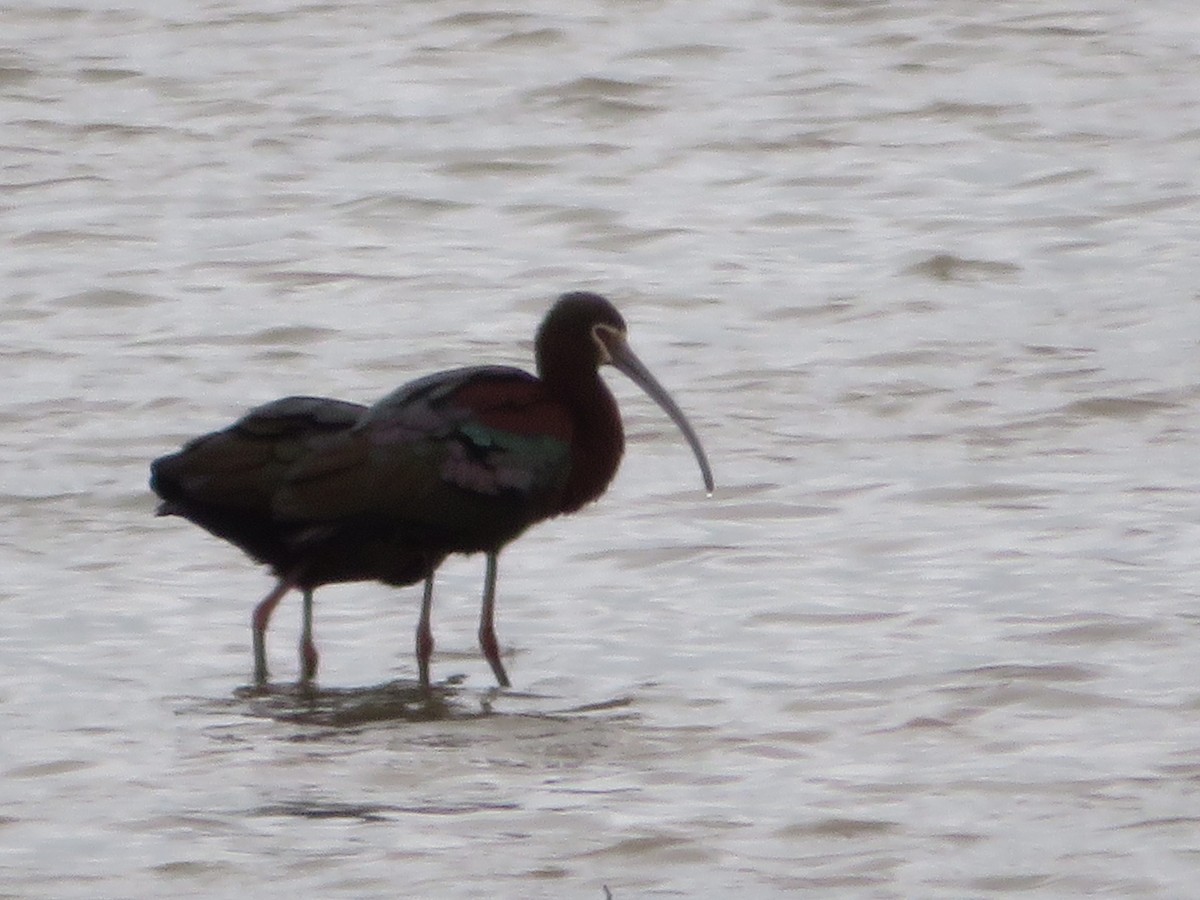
598,441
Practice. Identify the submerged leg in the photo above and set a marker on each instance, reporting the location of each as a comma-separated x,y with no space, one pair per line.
259,621
425,633
308,650
487,628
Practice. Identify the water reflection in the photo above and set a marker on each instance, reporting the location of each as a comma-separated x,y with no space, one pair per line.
396,701
402,700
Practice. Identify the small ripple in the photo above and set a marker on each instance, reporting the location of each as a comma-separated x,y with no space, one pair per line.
373,812
989,495
1101,631
41,184
1053,672
623,238
674,52
948,267
838,827
12,75
663,848
288,334
1006,883
601,98
1063,176
103,75
1122,408
112,299
505,167
301,278
474,20
809,619
50,769
66,237
387,207
538,38
1145,207
1168,823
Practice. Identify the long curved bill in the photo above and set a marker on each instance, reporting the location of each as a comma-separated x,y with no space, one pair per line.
626,361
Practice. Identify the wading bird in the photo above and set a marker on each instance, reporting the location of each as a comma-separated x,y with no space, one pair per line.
463,461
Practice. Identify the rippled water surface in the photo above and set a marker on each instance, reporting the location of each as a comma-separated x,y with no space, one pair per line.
924,274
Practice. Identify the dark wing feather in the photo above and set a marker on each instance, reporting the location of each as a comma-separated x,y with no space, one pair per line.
226,481
463,460
241,466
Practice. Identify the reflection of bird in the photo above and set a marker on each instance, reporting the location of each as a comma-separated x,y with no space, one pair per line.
458,462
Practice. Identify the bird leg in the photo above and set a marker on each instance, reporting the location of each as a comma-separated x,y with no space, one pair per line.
487,628
425,634
259,621
308,650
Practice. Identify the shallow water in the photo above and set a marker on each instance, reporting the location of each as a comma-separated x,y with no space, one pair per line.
922,274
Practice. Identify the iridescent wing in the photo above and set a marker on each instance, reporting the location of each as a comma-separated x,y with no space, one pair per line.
226,482
465,460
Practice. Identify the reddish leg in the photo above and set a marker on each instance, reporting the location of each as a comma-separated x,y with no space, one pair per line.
425,634
259,622
308,650
487,628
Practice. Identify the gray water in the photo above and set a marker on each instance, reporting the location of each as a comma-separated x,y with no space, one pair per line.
924,275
